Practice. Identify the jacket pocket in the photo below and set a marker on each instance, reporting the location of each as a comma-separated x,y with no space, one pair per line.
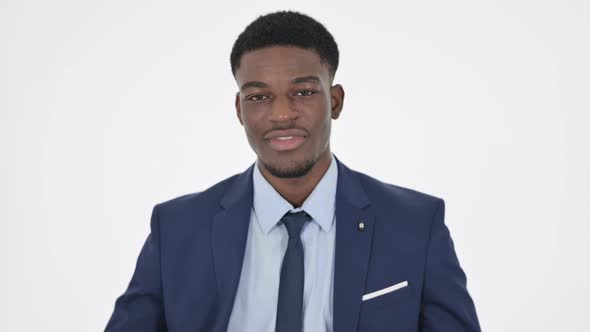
385,296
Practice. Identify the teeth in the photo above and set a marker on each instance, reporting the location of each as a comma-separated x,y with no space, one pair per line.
285,138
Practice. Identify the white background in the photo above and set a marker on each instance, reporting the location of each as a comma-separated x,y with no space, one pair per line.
109,107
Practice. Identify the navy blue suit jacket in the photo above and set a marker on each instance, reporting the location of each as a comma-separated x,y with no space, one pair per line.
188,270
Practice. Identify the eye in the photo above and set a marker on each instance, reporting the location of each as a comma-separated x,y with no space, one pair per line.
304,93
257,97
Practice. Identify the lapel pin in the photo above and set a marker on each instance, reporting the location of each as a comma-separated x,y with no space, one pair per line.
361,226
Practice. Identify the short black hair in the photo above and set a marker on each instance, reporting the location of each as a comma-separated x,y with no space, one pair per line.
286,28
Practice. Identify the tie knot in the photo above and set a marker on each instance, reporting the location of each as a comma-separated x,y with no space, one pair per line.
295,222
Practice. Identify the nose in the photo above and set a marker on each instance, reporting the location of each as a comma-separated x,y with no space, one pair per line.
282,109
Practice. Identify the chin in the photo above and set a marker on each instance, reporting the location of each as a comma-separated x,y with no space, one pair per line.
290,169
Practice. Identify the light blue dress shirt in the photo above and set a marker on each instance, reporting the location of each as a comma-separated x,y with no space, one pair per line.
255,306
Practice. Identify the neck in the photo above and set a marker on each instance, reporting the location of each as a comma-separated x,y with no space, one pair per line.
296,190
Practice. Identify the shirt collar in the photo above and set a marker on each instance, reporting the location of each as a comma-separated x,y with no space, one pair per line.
270,206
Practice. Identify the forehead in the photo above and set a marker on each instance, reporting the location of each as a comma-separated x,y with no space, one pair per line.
280,63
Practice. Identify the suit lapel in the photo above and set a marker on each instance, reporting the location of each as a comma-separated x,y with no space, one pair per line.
353,248
230,230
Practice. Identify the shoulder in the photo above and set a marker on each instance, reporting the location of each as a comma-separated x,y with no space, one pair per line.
404,216
203,202
390,197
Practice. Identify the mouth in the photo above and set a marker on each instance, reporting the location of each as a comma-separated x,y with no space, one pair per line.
286,143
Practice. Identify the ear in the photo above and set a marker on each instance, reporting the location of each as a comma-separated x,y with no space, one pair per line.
238,109
337,99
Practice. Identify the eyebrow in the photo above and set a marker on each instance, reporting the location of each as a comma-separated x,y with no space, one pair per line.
302,79
308,78
253,84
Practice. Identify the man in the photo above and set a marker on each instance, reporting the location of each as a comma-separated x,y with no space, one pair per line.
297,242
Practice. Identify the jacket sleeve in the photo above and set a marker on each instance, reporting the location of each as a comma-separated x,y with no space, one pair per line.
446,303
141,307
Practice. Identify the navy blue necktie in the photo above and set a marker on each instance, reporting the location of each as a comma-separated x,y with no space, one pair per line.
290,304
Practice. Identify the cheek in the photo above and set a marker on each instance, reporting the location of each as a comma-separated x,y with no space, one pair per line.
326,124
250,130
327,127
251,122
323,118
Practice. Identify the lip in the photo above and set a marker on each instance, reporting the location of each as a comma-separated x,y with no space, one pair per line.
285,133
286,145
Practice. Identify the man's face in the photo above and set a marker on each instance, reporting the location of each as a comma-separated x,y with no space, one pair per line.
286,105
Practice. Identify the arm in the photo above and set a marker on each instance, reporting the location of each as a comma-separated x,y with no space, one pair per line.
446,304
141,307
